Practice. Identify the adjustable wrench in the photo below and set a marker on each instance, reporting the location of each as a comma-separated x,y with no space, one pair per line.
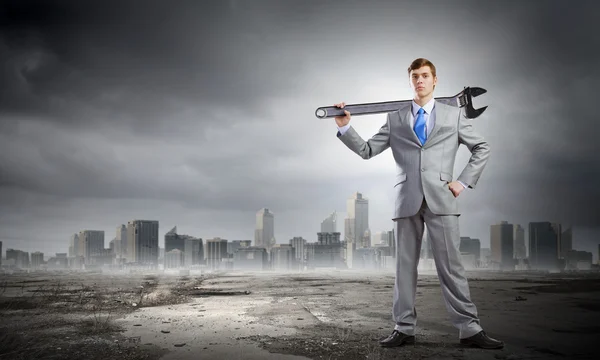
462,99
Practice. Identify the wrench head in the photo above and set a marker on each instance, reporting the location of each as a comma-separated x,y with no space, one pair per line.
472,113
467,101
476,91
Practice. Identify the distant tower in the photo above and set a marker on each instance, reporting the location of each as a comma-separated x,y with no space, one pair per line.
330,223
544,245
142,242
264,235
357,220
520,251
501,243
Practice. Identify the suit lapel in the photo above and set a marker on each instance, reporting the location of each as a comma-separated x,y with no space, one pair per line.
441,115
405,121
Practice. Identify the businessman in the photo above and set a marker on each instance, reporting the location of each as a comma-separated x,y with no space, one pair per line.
424,136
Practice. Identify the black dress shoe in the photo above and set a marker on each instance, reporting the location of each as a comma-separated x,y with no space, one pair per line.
397,339
483,341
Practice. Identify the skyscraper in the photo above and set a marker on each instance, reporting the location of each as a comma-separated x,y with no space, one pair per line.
91,243
544,242
299,245
174,241
357,220
264,235
330,223
472,246
121,238
216,250
74,245
566,243
142,242
191,247
519,242
501,244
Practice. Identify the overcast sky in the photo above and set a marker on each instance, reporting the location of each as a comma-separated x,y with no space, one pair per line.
197,114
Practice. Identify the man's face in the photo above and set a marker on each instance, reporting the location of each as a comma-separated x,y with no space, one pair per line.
422,81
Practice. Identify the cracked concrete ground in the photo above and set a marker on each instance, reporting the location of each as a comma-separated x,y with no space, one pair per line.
342,315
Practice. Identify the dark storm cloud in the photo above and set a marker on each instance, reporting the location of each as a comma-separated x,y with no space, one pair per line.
132,62
554,123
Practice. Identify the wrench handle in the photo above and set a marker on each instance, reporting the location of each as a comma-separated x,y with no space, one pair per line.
462,99
360,109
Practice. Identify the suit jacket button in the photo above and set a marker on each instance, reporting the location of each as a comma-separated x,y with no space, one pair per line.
422,170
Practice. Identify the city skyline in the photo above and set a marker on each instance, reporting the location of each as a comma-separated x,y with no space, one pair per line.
486,243
206,115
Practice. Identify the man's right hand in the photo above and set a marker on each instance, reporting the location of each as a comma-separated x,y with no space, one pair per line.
342,120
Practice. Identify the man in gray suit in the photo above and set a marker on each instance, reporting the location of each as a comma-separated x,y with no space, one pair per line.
424,137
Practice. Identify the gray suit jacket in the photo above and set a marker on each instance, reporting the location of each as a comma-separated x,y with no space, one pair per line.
425,171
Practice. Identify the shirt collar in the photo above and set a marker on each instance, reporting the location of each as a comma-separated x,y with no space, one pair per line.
428,107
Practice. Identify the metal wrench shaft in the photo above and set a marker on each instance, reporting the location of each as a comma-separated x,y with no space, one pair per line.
462,99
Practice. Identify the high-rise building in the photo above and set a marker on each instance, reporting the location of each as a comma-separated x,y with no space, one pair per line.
283,258
544,242
366,239
264,235
74,245
17,258
326,252
91,243
194,251
37,259
174,259
216,250
328,238
484,257
115,248
142,242
357,220
578,260
174,241
330,223
251,258
234,245
470,246
566,243
380,238
299,245
501,244
520,252
121,239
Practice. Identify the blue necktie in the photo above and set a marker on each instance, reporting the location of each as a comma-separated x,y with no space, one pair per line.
420,126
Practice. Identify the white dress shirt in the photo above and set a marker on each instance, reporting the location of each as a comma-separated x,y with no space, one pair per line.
429,121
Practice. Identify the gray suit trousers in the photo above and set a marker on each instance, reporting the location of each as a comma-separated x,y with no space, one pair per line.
444,235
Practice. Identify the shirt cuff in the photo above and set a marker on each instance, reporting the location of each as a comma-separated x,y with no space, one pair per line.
463,184
343,129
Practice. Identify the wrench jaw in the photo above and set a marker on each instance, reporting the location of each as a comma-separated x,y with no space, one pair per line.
465,100
473,113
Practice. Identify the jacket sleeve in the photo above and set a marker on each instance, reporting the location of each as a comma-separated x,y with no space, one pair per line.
372,147
479,148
